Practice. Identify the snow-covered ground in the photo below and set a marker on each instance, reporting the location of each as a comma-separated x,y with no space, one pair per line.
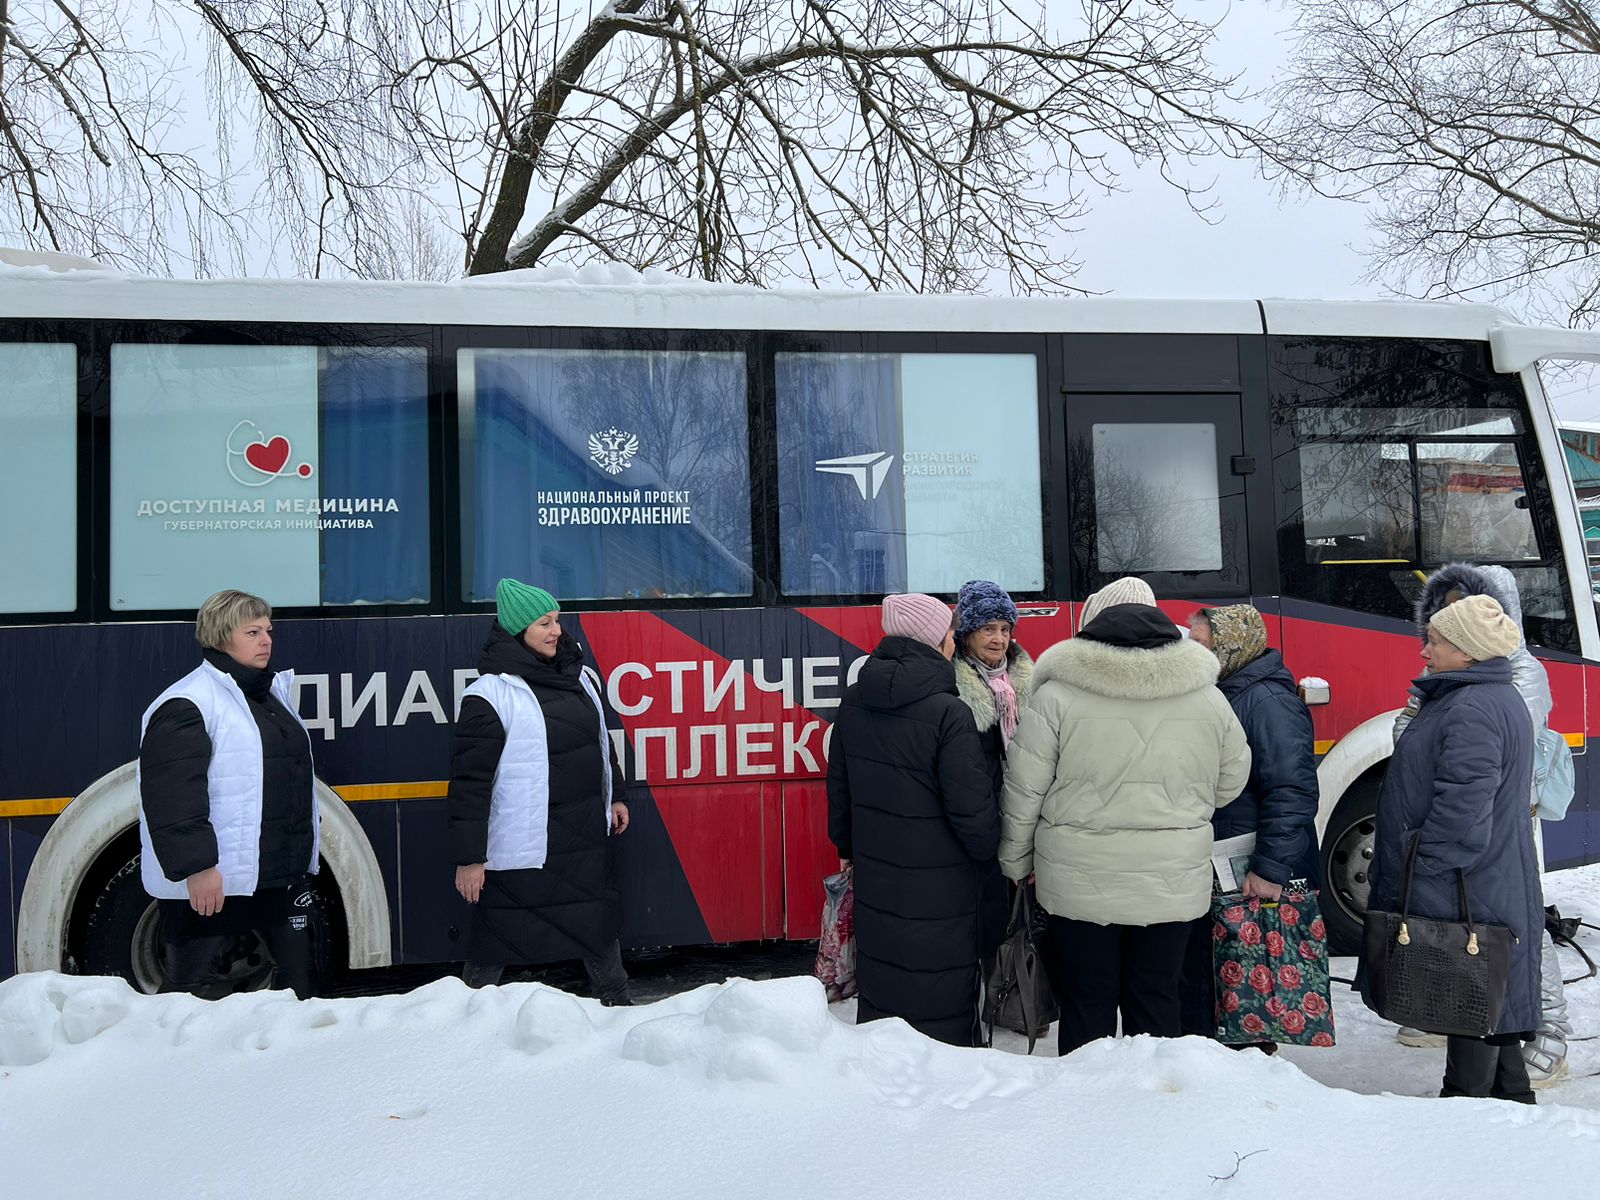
735,1089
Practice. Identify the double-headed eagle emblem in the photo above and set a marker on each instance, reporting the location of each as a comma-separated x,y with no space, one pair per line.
613,450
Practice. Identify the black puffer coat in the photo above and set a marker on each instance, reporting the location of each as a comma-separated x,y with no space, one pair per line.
1280,802
909,801
568,908
174,759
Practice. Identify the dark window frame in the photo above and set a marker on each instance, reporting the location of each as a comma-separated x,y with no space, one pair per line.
1466,361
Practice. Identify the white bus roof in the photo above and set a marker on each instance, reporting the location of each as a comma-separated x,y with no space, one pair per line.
555,299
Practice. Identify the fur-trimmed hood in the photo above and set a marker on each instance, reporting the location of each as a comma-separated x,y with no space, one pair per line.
1126,673
979,697
1470,580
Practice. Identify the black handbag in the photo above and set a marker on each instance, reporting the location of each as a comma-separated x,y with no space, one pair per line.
1437,976
1017,993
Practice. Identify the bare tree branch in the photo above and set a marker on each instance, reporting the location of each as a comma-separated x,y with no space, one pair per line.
910,144
1472,126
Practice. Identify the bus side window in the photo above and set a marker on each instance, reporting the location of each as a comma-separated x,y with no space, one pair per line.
39,477
299,472
607,473
908,472
1394,456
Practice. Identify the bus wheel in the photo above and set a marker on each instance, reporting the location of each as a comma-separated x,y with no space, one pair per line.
1347,847
123,939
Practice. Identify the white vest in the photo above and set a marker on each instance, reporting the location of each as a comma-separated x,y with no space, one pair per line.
519,805
234,781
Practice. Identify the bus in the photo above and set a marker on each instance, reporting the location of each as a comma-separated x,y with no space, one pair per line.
719,484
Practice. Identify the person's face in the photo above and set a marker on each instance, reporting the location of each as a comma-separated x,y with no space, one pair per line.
251,643
989,643
948,646
541,637
1441,654
1200,630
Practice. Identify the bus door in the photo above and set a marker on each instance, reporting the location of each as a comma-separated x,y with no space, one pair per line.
1157,488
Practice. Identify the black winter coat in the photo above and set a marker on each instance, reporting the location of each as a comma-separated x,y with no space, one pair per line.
909,801
1460,777
1280,802
174,757
566,909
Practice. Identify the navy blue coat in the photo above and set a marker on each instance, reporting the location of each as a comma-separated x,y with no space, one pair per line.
1461,776
1280,801
909,801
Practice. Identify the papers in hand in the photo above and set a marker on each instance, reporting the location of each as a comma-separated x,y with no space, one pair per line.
1230,860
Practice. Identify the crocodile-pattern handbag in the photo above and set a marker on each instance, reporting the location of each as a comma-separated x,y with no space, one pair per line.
1438,976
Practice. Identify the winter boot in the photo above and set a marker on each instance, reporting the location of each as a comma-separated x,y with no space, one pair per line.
1408,1036
1546,1055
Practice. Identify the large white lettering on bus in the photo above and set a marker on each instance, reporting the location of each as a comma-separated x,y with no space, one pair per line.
704,720
683,719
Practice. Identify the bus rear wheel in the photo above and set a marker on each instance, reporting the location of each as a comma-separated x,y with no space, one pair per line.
1347,850
123,938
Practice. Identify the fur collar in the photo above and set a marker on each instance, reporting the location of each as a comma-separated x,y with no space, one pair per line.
977,695
1470,580
1125,673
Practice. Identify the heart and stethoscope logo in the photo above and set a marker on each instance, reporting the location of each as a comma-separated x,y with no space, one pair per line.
255,460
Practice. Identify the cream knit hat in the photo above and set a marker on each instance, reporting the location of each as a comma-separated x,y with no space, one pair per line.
1127,590
1479,627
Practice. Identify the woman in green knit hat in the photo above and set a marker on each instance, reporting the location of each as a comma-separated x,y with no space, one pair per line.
533,781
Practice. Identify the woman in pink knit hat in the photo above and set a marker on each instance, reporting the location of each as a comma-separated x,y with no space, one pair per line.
910,803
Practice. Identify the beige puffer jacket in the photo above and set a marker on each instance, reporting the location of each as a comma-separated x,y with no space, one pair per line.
1111,781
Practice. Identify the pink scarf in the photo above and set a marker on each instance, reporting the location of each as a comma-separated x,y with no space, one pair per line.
1005,697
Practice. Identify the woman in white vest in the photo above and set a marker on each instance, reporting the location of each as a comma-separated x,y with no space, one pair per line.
531,802
227,805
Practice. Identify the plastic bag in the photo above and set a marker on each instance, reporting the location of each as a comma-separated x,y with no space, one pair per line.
836,948
1271,963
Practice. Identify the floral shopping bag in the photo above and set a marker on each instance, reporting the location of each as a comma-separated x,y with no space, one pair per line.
836,948
1271,963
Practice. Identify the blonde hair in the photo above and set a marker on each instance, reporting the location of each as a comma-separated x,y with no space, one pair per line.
223,613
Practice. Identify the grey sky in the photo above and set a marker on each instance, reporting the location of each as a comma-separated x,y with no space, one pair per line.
1259,243
1146,241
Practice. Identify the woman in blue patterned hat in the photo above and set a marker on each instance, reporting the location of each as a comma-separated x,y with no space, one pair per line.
994,677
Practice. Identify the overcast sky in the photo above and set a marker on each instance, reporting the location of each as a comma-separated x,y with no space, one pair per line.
1146,242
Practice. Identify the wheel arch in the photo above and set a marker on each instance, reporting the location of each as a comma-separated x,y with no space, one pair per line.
1352,757
108,809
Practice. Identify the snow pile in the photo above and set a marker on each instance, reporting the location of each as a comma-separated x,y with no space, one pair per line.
731,1089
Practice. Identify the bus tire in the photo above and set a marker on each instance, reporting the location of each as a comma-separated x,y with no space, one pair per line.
96,837
1347,849
123,939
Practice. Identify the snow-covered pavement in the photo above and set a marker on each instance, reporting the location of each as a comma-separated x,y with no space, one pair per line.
732,1090
1367,1059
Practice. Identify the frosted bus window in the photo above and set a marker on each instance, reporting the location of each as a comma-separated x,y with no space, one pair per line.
605,474
1156,501
299,473
908,472
39,477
